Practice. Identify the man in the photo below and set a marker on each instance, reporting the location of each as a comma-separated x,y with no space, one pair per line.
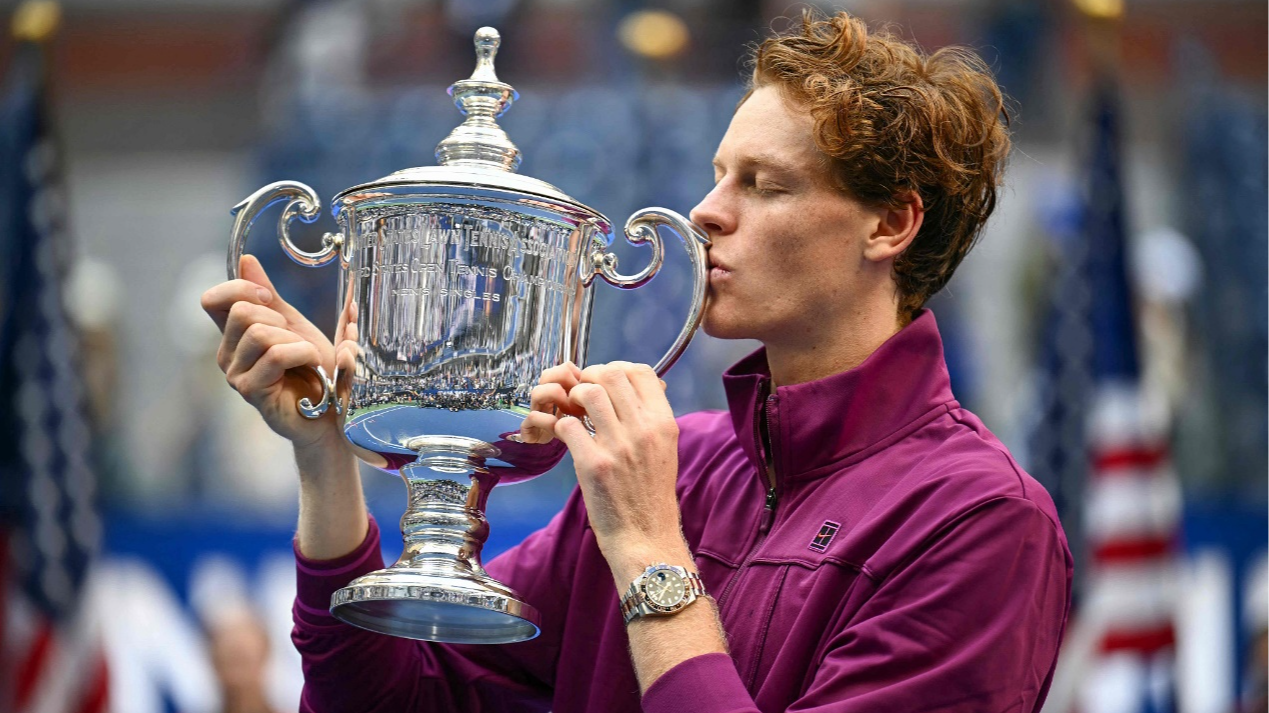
863,542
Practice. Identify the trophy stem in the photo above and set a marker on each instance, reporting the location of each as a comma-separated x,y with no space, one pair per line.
438,590
444,524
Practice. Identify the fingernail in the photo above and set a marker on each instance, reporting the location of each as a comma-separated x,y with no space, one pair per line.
265,296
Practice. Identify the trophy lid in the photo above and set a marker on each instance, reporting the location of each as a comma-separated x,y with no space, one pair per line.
477,153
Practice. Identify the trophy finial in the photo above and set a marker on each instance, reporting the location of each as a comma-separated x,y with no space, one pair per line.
487,41
479,141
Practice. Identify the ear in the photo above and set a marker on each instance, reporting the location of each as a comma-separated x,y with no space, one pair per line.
896,228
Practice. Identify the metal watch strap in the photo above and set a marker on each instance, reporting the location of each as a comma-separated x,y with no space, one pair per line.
633,605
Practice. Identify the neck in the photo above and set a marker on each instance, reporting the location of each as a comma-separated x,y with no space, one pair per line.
843,346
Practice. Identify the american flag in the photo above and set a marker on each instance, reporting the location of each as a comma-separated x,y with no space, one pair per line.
1132,501
50,654
1111,446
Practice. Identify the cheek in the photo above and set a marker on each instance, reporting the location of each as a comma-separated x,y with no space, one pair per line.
804,256
811,271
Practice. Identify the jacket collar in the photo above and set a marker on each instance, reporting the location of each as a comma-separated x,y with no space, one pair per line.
833,419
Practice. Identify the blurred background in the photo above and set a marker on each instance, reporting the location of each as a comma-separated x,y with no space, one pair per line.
1110,327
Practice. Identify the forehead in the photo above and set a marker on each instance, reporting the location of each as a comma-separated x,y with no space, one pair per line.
767,129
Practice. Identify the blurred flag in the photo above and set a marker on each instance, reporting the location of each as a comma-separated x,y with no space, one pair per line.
1119,655
1132,501
50,651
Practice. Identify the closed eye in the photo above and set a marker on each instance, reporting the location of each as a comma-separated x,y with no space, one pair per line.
763,185
757,182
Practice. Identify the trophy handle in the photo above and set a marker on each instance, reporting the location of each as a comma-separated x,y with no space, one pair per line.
642,228
302,203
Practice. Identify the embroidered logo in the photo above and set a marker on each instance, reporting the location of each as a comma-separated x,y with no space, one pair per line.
825,536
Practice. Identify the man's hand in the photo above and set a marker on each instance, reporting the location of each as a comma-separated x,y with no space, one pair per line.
549,402
265,343
264,339
628,469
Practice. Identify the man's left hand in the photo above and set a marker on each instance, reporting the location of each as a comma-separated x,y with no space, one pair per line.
628,469
627,472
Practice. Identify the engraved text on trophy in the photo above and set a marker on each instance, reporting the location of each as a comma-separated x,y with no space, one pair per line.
461,306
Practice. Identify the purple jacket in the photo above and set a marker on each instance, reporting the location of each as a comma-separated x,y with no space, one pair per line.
904,562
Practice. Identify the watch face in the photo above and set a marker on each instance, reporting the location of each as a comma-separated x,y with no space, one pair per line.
664,589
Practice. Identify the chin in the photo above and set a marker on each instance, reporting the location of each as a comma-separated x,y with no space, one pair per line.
720,327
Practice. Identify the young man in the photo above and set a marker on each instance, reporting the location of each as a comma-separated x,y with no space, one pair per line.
863,543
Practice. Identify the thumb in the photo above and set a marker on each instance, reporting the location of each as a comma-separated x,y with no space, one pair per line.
250,269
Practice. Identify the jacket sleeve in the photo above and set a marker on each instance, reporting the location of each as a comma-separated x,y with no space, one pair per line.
350,669
971,622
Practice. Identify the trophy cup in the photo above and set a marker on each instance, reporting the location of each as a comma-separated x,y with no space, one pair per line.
460,284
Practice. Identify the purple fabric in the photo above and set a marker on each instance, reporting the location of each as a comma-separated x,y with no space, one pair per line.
909,564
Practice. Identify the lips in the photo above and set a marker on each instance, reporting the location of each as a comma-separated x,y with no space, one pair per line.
716,264
719,271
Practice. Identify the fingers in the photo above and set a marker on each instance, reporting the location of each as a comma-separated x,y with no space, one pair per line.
621,393
251,270
346,356
241,318
594,400
548,400
538,427
218,300
547,397
646,383
607,393
633,388
552,399
347,332
256,340
270,367
551,393
566,375
575,437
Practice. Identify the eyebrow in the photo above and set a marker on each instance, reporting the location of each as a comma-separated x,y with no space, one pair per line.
765,161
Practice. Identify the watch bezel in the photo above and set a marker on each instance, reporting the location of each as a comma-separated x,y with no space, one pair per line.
684,590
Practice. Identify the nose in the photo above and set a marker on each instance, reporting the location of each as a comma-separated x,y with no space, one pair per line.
714,214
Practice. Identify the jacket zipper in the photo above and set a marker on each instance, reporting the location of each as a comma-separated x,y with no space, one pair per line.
768,509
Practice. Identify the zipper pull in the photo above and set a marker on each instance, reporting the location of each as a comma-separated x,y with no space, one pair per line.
768,513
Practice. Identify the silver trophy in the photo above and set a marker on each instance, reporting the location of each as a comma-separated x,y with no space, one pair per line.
460,284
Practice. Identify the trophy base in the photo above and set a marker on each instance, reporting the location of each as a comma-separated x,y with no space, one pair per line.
446,609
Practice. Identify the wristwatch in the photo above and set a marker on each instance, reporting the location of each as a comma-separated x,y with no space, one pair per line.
661,590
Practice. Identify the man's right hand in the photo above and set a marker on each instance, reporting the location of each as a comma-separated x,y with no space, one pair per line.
265,343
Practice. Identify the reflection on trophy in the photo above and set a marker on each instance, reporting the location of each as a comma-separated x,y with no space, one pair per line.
460,284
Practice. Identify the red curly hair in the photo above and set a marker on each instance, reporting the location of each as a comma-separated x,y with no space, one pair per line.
894,121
